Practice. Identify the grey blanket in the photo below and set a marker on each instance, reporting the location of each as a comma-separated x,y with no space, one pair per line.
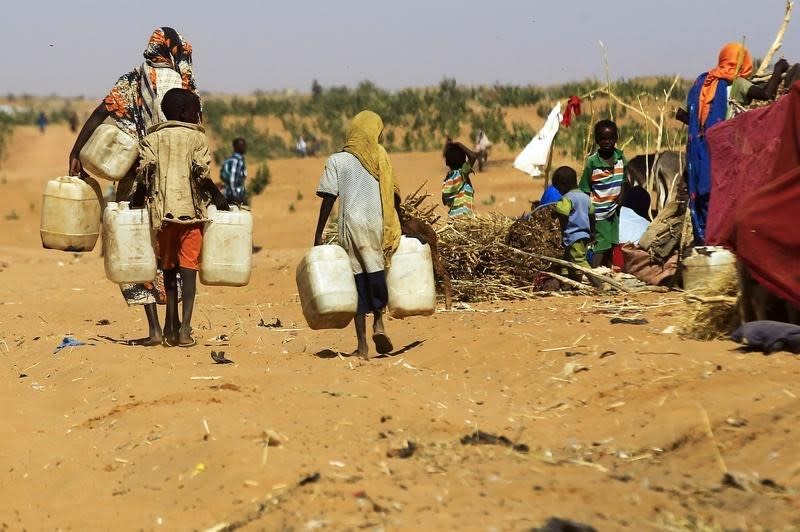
768,336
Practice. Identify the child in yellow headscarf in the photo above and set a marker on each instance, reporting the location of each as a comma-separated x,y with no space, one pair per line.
369,226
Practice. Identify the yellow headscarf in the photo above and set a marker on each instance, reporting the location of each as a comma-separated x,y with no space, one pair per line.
361,140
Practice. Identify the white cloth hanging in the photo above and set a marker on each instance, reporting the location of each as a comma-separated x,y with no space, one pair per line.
631,226
533,158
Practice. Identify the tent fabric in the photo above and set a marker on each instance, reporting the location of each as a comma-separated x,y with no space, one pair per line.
640,264
764,232
533,158
743,153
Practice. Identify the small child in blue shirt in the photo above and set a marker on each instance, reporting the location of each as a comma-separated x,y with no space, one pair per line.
576,214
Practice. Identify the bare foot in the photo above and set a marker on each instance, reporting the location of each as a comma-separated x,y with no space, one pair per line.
148,341
152,340
185,338
363,350
383,344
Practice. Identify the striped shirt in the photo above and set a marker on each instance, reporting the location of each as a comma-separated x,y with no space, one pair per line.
603,182
232,174
457,192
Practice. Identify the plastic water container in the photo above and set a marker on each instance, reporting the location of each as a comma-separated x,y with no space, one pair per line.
129,255
705,264
327,288
226,259
109,153
70,215
412,288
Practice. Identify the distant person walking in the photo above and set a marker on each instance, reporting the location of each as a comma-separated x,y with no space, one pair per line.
301,147
233,174
42,122
73,122
134,104
482,146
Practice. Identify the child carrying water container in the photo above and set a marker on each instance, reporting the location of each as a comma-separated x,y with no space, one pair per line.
361,177
173,176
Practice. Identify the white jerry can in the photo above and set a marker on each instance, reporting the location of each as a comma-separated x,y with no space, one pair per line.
705,264
109,153
226,259
128,241
412,288
327,288
70,215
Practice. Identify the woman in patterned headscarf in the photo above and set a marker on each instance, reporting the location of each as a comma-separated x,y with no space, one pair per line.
134,104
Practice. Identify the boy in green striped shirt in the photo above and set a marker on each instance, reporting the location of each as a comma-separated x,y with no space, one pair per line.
605,178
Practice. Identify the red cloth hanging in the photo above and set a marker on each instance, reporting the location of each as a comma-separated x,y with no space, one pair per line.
764,232
573,106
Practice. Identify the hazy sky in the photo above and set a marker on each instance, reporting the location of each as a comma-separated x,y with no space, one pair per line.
244,45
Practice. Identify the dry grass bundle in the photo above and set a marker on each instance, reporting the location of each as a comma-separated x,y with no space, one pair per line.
482,267
713,311
416,206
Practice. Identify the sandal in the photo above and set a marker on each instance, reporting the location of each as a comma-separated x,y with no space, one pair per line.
382,343
191,343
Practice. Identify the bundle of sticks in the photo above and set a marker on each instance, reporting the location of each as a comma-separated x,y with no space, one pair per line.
490,257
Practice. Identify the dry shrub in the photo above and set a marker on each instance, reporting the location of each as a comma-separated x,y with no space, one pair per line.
713,311
481,266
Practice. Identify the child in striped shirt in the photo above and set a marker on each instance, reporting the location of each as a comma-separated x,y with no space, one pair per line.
458,194
605,178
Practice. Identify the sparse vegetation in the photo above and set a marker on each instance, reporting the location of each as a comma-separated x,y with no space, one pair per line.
260,181
420,119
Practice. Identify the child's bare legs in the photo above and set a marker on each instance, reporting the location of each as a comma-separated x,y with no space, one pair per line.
599,258
361,335
171,323
382,342
155,336
189,279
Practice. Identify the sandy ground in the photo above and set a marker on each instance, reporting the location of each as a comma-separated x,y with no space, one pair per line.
627,426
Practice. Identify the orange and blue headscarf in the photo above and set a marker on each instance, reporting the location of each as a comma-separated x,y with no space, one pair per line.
734,62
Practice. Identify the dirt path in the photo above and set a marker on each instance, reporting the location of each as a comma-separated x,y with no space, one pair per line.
625,426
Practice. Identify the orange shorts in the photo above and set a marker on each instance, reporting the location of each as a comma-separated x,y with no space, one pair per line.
179,245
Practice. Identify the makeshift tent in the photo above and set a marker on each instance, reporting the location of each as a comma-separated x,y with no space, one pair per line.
743,151
533,158
763,232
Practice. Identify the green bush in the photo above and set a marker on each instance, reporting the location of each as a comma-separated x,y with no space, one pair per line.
261,180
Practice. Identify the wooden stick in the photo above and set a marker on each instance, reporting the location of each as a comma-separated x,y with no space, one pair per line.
614,97
710,433
712,299
568,281
566,264
608,75
778,42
